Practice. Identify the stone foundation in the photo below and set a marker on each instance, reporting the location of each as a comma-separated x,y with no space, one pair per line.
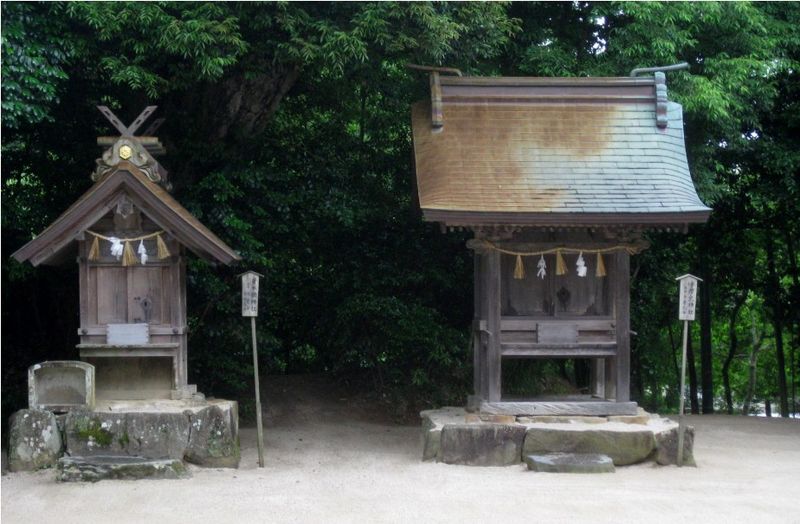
205,433
453,436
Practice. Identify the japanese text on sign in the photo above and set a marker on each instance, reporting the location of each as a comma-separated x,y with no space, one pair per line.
687,299
250,295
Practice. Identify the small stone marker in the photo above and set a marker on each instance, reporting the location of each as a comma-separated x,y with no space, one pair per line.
570,463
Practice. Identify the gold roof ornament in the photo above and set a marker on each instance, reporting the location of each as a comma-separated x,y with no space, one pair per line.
138,150
125,152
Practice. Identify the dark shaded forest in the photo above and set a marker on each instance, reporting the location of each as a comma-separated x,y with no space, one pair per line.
288,134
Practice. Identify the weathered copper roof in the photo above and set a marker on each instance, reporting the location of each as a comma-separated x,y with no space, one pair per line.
553,150
153,199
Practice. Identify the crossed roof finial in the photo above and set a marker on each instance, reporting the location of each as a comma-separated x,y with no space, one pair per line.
131,129
138,150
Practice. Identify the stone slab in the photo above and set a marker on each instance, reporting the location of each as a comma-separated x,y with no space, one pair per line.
570,463
99,467
558,408
551,419
34,441
477,418
482,444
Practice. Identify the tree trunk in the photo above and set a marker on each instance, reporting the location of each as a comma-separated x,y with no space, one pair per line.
794,334
732,347
777,323
675,358
752,365
706,361
692,374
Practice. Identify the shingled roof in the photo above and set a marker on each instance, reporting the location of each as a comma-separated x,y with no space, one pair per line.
550,151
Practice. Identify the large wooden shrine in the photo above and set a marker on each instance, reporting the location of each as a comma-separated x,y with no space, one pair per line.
130,237
558,179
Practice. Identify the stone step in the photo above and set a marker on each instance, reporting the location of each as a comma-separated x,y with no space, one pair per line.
93,469
570,463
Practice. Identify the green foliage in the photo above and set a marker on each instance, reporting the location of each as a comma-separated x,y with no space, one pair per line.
34,51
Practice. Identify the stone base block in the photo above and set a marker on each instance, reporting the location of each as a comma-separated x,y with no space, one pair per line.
624,447
667,447
34,441
204,433
93,469
482,444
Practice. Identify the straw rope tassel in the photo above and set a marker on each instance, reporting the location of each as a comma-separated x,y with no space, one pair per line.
94,251
128,257
163,252
519,269
561,266
601,267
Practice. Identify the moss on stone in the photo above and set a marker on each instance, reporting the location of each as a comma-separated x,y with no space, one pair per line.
89,429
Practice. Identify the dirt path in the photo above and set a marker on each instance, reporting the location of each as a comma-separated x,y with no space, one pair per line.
325,464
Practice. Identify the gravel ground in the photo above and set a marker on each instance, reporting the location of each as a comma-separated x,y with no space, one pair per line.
326,462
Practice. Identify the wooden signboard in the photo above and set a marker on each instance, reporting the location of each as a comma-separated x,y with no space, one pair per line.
687,299
250,294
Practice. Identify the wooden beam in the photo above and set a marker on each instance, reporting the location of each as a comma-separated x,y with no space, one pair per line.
567,351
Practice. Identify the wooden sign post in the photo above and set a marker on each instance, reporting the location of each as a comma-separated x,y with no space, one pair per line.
250,309
686,306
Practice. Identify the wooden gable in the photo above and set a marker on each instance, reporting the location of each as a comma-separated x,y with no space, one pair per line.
125,181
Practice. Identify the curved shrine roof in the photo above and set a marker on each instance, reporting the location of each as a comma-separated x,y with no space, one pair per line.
553,151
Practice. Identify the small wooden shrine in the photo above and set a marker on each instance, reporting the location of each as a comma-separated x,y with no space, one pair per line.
558,179
130,237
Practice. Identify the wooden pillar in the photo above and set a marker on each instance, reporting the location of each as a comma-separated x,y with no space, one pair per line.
491,300
598,374
622,299
477,349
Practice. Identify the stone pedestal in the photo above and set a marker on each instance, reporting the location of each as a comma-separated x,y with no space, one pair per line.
453,436
205,433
